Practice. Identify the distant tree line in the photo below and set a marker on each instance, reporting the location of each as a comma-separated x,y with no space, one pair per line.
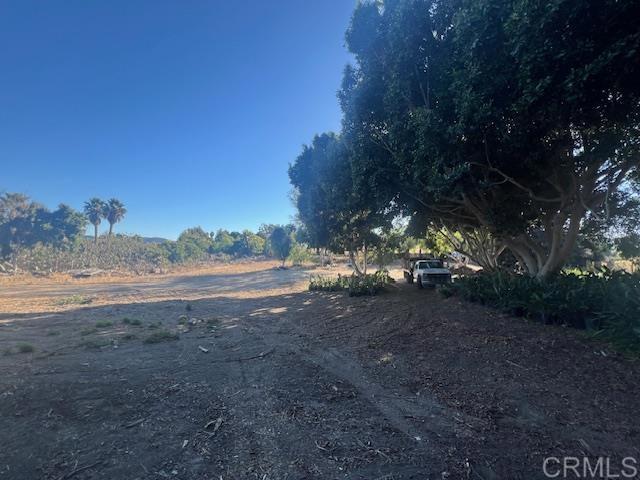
194,244
33,238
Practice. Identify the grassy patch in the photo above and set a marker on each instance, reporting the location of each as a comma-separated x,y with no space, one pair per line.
128,336
95,344
161,336
74,300
132,321
183,319
88,331
104,324
26,348
53,333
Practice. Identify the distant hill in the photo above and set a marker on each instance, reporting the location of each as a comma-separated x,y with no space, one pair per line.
154,240
144,239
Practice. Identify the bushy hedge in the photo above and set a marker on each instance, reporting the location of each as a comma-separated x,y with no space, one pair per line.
109,253
607,303
370,284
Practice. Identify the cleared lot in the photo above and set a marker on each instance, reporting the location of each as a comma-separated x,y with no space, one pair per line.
245,374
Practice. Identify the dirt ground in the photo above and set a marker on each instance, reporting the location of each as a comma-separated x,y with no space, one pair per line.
243,374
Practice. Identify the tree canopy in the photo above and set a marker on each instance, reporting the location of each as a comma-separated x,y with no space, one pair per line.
281,243
24,223
519,118
95,210
114,212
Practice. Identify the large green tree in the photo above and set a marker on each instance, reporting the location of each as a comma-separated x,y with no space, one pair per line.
336,212
518,117
281,243
24,223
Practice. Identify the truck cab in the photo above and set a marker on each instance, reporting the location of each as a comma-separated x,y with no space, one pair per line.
427,272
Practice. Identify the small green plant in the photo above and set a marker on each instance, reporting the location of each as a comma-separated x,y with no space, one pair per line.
188,307
183,319
53,333
104,324
132,321
74,300
328,284
95,344
370,284
88,331
161,336
128,336
26,348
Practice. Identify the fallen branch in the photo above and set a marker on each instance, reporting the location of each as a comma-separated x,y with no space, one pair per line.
242,359
133,424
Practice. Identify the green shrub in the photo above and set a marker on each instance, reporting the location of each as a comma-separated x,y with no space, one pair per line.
370,284
26,348
88,331
74,300
607,302
97,343
299,254
328,284
161,336
131,321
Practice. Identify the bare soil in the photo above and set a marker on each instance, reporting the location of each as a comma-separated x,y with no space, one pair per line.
253,377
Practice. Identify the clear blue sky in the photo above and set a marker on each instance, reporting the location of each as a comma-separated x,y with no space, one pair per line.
187,111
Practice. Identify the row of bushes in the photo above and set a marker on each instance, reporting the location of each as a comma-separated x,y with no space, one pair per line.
108,253
370,284
607,303
126,253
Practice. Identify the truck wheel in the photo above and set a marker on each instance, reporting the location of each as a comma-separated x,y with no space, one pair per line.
420,285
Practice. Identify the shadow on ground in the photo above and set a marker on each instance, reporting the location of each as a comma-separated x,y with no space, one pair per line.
305,385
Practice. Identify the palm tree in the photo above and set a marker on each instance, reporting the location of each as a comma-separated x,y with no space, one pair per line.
95,210
114,213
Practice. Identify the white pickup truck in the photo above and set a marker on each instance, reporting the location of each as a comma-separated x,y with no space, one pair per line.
427,273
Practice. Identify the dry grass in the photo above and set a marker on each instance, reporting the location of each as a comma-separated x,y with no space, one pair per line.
243,266
58,293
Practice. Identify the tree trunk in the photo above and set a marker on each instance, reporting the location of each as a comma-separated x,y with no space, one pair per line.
110,228
354,263
479,245
95,233
543,259
364,250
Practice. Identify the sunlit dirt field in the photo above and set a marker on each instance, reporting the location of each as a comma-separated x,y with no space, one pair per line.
238,372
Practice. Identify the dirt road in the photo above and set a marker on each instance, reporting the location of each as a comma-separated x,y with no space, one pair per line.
275,382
